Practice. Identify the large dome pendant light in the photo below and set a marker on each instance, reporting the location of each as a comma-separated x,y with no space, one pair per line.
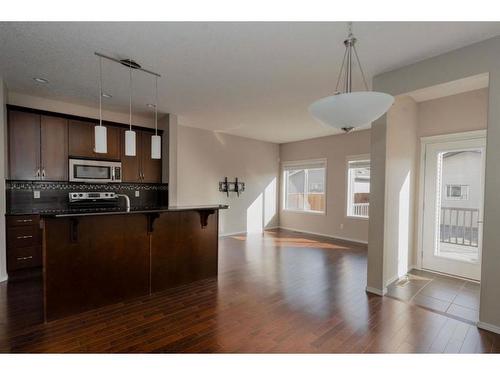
130,134
348,109
100,134
156,139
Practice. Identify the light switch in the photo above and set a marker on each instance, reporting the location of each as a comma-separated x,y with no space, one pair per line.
36,194
137,193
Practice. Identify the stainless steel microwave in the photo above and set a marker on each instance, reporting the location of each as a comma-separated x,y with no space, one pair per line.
95,171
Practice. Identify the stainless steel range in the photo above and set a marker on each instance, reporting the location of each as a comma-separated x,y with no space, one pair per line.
79,197
99,201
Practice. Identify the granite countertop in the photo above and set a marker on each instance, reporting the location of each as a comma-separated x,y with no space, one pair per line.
136,210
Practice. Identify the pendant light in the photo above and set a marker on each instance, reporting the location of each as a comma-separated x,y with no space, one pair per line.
347,110
130,134
100,134
156,139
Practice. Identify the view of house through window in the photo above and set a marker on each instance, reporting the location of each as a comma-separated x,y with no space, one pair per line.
358,189
305,186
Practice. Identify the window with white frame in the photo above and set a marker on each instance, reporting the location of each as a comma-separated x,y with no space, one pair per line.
358,187
305,186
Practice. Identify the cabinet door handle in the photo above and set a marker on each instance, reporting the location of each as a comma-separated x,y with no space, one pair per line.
23,237
25,258
38,172
24,221
43,173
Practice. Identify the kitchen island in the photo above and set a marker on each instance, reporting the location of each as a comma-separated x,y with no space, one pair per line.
96,259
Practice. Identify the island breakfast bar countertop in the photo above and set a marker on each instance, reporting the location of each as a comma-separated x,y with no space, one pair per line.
74,213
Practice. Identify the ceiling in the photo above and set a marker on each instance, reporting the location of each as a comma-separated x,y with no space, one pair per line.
249,79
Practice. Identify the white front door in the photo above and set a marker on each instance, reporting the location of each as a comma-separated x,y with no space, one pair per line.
453,207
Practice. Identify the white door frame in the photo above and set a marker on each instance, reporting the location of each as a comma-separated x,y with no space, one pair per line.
424,141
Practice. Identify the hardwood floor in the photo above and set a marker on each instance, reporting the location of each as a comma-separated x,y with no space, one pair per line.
282,292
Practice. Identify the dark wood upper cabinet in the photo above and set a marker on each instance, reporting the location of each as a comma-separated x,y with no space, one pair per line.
54,148
82,145
24,145
81,139
151,168
140,168
38,147
40,144
114,143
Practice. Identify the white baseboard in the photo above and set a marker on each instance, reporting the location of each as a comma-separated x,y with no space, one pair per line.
376,291
243,232
489,327
326,235
391,280
231,234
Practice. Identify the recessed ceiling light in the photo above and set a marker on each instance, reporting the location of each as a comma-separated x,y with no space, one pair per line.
150,105
40,80
106,95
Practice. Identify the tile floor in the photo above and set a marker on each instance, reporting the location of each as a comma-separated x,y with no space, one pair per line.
448,295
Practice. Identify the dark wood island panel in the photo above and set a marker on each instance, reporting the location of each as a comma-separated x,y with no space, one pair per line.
96,260
181,250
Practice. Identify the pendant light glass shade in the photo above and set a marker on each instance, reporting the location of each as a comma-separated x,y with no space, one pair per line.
101,140
155,147
156,139
351,109
130,143
100,134
347,110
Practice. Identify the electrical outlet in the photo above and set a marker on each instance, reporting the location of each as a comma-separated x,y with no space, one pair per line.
36,194
137,194
342,226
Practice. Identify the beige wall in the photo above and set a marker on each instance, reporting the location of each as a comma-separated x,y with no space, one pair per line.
3,164
335,149
469,61
204,158
400,182
453,114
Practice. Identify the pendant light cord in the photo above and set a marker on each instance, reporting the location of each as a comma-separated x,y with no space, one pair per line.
100,91
130,97
156,105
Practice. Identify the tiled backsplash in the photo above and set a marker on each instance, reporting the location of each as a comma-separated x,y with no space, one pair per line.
54,195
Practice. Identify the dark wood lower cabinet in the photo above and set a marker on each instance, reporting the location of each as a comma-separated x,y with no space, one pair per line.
92,261
23,243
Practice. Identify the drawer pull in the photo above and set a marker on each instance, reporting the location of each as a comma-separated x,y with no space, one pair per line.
25,258
25,221
23,237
